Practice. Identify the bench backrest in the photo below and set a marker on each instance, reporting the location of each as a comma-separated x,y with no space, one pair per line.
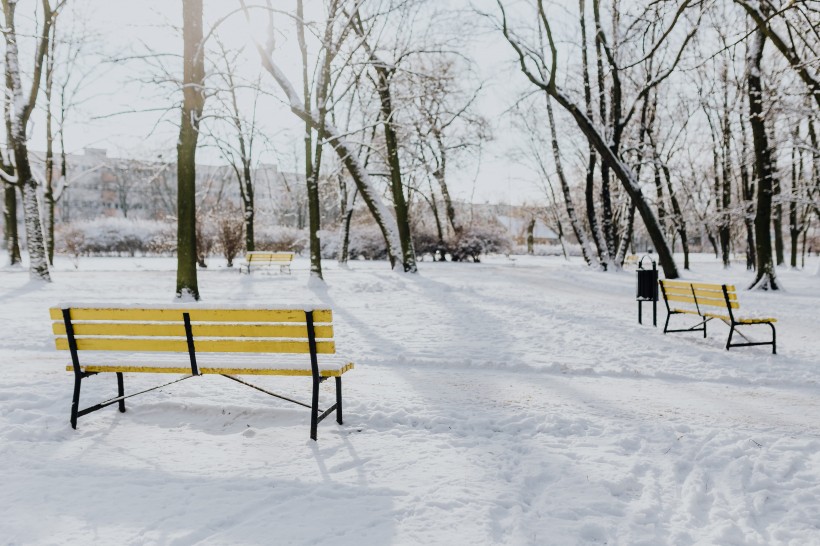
257,257
169,329
700,294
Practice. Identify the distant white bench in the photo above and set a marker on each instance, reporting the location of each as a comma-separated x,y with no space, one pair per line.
194,341
630,260
262,259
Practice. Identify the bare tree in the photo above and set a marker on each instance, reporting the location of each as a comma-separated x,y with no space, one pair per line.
192,104
541,70
18,112
766,278
344,149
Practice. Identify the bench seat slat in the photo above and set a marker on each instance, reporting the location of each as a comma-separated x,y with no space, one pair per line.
687,285
168,329
687,311
197,315
202,345
125,368
750,320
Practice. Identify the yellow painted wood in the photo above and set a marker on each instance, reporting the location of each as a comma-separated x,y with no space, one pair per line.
715,301
174,314
681,298
259,330
208,370
687,311
678,292
180,345
122,329
727,319
706,286
169,329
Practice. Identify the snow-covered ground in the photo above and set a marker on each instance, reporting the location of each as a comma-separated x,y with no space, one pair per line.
508,402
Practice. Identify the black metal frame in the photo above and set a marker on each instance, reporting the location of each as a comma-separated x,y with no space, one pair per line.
700,326
732,323
316,415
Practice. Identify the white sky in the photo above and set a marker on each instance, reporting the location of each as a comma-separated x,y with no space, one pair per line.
124,27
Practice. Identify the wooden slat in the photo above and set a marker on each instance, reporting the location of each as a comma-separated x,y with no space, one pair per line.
202,346
168,329
701,293
120,329
703,285
210,370
678,291
197,315
680,298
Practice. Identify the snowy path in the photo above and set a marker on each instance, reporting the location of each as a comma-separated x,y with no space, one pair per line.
490,405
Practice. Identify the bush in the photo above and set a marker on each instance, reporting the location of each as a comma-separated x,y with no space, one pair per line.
116,236
481,239
230,225
282,238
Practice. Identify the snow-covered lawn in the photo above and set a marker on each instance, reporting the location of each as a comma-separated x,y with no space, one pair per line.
495,403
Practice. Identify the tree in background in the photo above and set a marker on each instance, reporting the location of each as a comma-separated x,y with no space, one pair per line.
193,83
18,112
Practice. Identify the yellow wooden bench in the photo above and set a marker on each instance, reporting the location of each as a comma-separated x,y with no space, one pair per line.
196,341
692,298
261,259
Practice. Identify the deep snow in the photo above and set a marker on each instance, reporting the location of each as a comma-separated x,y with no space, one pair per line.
508,402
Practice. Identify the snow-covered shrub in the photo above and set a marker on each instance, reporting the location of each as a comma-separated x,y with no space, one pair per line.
71,241
426,242
282,238
367,242
550,250
116,236
330,243
230,226
206,237
478,239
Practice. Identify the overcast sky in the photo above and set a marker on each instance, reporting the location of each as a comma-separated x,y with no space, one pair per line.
113,90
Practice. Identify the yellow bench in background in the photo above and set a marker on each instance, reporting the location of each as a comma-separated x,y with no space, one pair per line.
197,341
257,259
693,298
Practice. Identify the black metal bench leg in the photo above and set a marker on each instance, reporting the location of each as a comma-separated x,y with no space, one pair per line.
731,332
75,401
314,410
339,400
666,324
121,391
774,339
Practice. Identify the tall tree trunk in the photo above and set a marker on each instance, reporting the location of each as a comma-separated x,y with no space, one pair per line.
766,278
192,104
725,196
577,228
794,229
440,174
589,188
384,75
777,218
10,220
48,192
18,112
747,191
313,158
607,222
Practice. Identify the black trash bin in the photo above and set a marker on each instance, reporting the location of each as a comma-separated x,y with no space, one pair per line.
647,289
